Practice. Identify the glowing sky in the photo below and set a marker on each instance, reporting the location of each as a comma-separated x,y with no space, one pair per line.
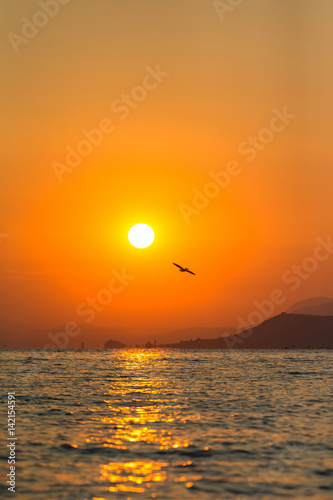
163,100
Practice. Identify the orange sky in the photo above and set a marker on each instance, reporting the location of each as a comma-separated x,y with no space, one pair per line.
179,93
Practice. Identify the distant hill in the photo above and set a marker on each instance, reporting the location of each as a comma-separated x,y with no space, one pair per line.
320,306
17,337
187,334
293,331
285,330
113,344
92,336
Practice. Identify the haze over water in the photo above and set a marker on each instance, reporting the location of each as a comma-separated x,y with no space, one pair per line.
144,424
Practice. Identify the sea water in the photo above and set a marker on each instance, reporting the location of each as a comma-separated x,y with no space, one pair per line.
169,424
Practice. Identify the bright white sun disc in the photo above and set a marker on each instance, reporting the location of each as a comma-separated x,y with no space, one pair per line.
141,235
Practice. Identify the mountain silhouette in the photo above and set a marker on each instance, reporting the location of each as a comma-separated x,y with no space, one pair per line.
291,331
113,344
320,306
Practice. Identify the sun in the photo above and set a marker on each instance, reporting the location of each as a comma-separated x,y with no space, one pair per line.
141,235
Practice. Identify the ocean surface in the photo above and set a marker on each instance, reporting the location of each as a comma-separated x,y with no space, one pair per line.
146,424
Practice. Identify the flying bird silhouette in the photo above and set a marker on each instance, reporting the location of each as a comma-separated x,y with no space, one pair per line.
183,269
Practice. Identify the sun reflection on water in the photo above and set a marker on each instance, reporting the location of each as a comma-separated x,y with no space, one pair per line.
162,424
139,410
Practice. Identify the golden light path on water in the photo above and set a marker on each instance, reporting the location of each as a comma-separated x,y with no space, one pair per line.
172,425
140,476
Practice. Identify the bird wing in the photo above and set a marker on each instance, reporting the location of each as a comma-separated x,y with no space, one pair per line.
190,272
180,267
